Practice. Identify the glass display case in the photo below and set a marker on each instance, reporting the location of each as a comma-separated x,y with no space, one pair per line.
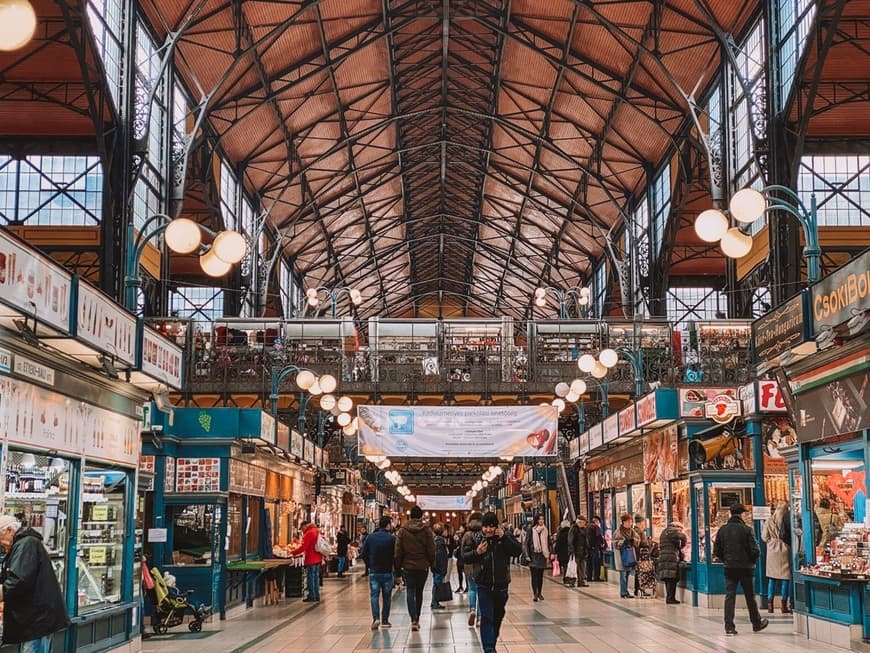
193,526
638,500
702,523
658,512
837,497
681,511
847,555
37,493
608,521
721,496
101,537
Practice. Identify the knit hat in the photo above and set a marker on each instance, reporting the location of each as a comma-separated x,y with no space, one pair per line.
8,521
489,519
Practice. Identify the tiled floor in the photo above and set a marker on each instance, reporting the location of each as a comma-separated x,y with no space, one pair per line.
572,620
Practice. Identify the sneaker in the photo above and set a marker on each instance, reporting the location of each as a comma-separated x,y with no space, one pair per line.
438,607
730,632
672,602
761,625
472,617
385,624
415,625
375,624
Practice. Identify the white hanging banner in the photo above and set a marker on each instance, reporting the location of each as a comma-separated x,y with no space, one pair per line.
458,432
440,502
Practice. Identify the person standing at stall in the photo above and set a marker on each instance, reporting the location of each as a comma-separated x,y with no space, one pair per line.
578,541
738,550
415,555
312,562
777,534
597,545
33,606
342,542
671,544
379,553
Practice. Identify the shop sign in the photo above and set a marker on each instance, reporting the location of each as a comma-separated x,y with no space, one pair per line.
268,430
204,475
296,444
722,409
836,298
105,325
779,330
693,401
746,397
283,438
5,361
160,359
308,451
318,457
34,285
610,428
157,535
834,408
627,472
584,443
646,409
444,502
574,448
33,370
325,459
595,437
770,399
627,422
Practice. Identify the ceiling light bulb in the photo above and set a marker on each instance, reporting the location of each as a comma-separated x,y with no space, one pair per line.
599,371
345,403
305,379
585,292
327,402
608,357
586,363
230,246
711,225
747,205
315,388
212,265
350,429
559,403
344,419
540,302
17,24
182,236
356,297
540,293
562,389
328,383
735,243
578,386
313,301
311,293
572,397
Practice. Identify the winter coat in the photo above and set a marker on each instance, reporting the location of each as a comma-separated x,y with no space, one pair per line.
778,563
736,545
415,546
473,536
623,538
578,542
33,602
379,551
341,543
493,567
441,555
309,541
563,549
538,536
671,542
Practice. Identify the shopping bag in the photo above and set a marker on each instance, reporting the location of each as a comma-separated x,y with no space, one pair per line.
443,592
626,554
602,573
571,568
557,570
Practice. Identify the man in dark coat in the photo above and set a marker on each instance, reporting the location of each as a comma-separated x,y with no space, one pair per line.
415,555
597,544
492,558
578,540
738,550
378,551
32,599
342,541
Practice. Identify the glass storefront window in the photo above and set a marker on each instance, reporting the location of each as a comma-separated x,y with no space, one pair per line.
638,500
255,513
192,532
659,520
608,519
235,530
721,497
681,511
837,497
101,537
37,493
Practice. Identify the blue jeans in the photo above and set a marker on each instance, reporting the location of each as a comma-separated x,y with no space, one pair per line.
771,588
623,580
492,604
41,645
381,585
436,580
472,593
313,574
342,564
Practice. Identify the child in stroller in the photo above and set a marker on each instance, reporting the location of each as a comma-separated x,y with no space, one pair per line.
172,604
646,570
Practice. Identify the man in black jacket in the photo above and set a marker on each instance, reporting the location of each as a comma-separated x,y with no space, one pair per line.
342,541
578,540
32,600
379,552
738,550
493,556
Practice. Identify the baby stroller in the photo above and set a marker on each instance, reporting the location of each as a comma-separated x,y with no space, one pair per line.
172,604
646,572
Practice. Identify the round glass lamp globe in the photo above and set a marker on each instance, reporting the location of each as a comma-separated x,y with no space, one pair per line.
584,300
212,265
345,403
736,244
315,388
350,429
585,292
305,379
328,383
182,235
747,205
562,389
327,402
540,302
608,357
539,293
572,397
578,386
17,24
344,419
230,246
559,403
356,297
711,225
313,301
599,371
311,293
586,363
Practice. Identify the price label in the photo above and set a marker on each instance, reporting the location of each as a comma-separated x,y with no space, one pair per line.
100,513
97,555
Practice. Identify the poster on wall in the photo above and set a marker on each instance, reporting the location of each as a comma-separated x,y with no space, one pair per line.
693,401
296,444
834,408
466,432
776,433
660,455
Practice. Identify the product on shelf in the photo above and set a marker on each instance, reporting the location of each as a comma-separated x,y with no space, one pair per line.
847,556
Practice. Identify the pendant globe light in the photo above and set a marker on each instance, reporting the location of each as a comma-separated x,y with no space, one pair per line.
212,265
229,246
182,236
17,24
735,243
747,205
711,225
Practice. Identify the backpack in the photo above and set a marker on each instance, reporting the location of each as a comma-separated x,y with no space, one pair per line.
784,530
322,545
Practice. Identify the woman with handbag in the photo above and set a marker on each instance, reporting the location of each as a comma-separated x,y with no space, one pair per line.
671,544
777,534
625,542
538,551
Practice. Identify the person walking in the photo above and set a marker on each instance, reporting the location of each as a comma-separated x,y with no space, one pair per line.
626,540
777,534
538,552
33,603
471,539
492,558
578,542
457,555
415,556
439,570
738,550
379,553
342,541
597,545
363,536
671,544
312,561
563,551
